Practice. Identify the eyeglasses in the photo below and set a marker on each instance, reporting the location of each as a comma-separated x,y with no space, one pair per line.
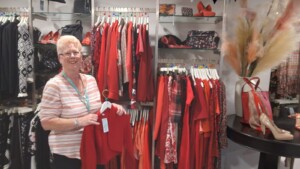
69,54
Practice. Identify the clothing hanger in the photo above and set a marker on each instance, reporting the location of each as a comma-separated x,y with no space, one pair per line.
98,21
193,75
216,74
106,104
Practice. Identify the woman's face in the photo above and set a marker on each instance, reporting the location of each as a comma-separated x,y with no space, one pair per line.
71,58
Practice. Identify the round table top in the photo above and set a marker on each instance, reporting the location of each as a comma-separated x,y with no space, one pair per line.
246,136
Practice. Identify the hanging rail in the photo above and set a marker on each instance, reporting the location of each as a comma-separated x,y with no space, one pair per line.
189,61
125,10
14,9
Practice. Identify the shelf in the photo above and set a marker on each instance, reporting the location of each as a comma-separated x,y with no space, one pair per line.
60,15
190,19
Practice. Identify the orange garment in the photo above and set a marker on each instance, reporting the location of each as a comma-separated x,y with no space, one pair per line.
161,139
159,106
146,149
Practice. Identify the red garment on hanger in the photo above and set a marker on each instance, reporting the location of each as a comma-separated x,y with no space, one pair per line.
129,63
184,155
101,70
112,70
98,147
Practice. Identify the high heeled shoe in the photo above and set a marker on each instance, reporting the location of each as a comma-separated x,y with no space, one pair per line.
54,38
266,122
297,117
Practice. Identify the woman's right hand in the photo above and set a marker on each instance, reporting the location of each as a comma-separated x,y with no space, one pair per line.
88,120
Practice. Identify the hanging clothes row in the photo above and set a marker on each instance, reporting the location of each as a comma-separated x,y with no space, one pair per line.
190,125
141,136
122,57
16,66
14,141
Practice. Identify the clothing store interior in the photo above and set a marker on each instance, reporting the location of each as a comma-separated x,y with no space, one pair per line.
149,84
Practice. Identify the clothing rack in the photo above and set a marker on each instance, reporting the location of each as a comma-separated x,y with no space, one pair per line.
96,11
124,10
190,61
14,10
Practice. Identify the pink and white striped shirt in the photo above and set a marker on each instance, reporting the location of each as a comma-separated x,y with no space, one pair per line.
60,99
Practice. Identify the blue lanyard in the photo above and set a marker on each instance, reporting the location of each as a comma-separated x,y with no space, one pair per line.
84,99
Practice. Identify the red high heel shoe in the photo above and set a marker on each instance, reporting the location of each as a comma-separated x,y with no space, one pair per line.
46,38
87,39
54,38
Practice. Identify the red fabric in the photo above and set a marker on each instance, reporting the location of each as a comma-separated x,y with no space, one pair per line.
112,70
161,140
101,70
184,156
129,59
150,82
159,106
97,51
107,51
98,147
141,55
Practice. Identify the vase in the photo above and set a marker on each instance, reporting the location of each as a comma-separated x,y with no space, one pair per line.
238,91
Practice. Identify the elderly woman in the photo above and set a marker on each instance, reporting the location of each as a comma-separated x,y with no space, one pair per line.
69,102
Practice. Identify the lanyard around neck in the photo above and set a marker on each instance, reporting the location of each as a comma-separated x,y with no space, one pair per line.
84,99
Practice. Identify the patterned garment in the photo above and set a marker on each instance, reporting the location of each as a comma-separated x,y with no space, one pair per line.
25,59
175,95
171,152
289,76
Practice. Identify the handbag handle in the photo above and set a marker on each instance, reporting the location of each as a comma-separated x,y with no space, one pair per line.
79,21
250,83
257,101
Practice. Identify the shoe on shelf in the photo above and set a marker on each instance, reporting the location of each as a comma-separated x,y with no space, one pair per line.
46,38
297,117
204,11
265,121
200,6
54,38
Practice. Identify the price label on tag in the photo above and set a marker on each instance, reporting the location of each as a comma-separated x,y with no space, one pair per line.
105,125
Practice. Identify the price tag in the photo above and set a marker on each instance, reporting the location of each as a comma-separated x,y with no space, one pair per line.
105,125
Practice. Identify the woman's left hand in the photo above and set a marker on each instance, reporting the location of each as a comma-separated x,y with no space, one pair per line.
120,109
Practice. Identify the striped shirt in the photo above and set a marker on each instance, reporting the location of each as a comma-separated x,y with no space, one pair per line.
60,99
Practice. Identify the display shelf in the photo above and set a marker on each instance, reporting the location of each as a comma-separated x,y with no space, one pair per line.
60,15
190,19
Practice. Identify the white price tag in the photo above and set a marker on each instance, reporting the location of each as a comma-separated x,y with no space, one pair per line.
105,125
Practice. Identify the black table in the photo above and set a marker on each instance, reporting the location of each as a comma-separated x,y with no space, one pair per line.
269,148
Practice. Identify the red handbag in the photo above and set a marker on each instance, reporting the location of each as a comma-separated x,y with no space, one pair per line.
254,102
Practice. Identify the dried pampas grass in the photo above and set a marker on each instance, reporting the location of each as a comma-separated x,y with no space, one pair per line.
262,42
277,49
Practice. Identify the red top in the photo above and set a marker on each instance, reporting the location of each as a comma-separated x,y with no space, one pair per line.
98,147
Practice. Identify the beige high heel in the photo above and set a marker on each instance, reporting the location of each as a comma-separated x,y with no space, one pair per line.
266,122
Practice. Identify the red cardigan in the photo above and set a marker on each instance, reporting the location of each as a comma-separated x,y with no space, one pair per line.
98,147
